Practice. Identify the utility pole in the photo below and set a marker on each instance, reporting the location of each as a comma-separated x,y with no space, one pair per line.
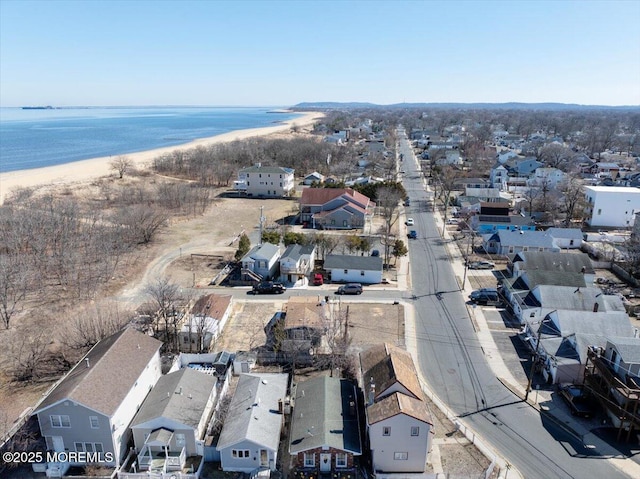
261,225
535,357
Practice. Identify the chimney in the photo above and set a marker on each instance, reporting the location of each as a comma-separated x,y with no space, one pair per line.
372,392
87,361
595,307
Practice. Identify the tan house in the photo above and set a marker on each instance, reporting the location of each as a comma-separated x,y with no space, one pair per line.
204,323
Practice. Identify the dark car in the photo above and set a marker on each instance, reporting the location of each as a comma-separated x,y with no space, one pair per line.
579,403
268,287
413,234
484,296
350,288
481,265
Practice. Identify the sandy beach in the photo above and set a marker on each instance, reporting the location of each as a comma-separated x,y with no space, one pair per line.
85,170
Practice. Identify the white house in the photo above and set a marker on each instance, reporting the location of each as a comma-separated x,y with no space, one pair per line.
314,177
354,269
398,419
547,177
297,262
567,238
90,408
171,423
205,323
251,433
611,206
266,181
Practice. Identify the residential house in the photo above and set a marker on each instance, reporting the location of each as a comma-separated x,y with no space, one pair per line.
494,216
354,269
297,262
169,429
266,181
334,208
261,262
399,423
251,433
612,376
611,206
506,242
314,177
551,261
564,336
90,408
499,176
522,167
549,178
604,169
205,323
567,238
325,431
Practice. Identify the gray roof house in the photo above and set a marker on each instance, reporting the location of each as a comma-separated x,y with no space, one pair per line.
325,431
567,238
552,261
261,262
90,408
297,262
354,269
265,181
172,421
251,433
508,242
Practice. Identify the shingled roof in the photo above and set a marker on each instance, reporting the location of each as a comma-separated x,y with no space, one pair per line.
398,403
105,375
385,365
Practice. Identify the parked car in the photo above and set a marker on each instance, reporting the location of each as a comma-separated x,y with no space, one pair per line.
407,202
452,221
409,222
481,265
484,296
350,288
318,279
268,287
413,234
375,253
579,403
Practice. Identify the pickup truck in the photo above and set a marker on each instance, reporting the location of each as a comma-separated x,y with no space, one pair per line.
413,234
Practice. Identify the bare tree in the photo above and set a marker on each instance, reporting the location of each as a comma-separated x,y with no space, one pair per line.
28,350
141,222
14,284
555,155
121,164
164,295
387,203
573,199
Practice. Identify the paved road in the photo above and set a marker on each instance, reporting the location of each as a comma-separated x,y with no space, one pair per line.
455,367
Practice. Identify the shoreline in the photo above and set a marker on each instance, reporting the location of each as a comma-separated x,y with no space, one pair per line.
92,168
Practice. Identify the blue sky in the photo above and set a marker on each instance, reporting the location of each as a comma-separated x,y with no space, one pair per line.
250,53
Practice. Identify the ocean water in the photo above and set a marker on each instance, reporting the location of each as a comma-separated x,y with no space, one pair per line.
37,138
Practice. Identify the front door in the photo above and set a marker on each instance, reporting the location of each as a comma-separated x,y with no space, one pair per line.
264,458
325,462
57,443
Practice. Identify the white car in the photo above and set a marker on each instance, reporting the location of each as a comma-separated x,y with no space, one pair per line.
409,221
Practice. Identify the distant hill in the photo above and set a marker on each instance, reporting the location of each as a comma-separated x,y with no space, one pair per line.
331,105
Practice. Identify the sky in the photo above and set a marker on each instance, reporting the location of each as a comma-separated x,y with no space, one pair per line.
280,53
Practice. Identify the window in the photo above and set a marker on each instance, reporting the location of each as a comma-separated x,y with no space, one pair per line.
93,420
386,431
180,440
361,273
599,211
400,456
341,459
415,431
79,446
346,271
240,453
60,421
571,243
248,184
98,447
309,459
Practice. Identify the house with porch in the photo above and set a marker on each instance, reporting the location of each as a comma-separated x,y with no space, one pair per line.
296,263
354,269
169,429
251,433
507,242
399,423
325,430
90,408
261,262
204,323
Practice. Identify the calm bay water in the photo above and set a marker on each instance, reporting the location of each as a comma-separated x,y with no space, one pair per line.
36,138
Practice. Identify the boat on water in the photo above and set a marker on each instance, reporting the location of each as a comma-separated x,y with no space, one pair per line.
48,107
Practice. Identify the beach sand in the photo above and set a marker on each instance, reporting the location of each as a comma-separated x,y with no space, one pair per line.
86,170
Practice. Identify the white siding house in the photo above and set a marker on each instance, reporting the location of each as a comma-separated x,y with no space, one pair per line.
354,269
611,206
266,181
90,408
